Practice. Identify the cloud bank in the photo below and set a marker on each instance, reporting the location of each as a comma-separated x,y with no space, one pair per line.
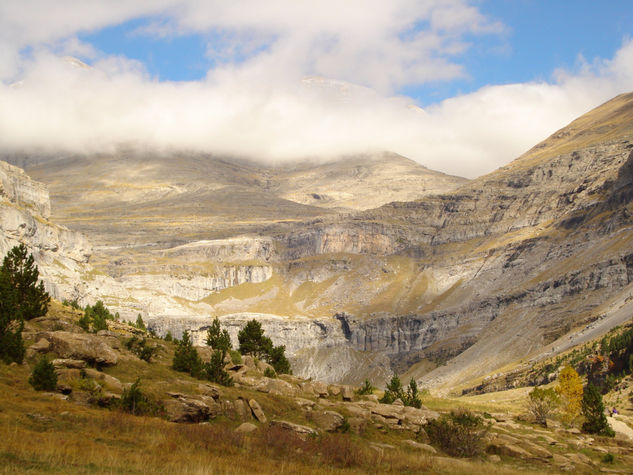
291,80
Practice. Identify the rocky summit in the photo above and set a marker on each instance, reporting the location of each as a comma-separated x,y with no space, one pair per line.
363,267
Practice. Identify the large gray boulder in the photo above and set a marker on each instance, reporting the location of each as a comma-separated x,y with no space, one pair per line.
81,346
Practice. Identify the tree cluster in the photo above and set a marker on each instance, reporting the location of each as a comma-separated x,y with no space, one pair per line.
21,298
254,342
95,317
394,390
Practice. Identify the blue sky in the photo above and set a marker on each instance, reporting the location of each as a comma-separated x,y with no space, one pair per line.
538,37
461,86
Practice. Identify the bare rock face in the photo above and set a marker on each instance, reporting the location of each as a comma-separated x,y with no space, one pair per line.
84,347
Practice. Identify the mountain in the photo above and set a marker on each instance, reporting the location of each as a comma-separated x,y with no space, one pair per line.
454,285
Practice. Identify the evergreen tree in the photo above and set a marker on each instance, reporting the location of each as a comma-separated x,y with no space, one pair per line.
43,377
21,297
214,369
31,300
412,396
140,324
393,391
186,358
217,338
252,340
277,358
593,410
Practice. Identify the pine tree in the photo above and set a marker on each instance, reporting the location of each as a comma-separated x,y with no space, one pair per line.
252,340
43,377
214,369
31,300
186,358
277,358
393,391
21,298
140,324
217,338
412,396
593,410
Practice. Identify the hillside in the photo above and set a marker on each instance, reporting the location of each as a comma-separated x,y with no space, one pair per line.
258,425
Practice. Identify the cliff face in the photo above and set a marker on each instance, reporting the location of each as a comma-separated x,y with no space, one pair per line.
444,289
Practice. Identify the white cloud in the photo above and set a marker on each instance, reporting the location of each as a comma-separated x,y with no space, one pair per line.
263,107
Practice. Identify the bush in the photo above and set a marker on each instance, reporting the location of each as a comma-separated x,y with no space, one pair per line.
141,348
135,402
541,404
169,336
214,369
277,358
186,358
460,433
365,389
95,318
593,410
43,377
394,390
270,373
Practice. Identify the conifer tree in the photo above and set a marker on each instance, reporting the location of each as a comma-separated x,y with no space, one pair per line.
217,338
186,358
43,377
593,410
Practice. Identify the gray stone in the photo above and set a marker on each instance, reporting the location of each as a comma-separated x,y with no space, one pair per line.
257,411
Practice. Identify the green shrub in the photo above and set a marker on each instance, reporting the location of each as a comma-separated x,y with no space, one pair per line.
186,358
541,404
365,389
270,373
140,324
141,348
43,377
95,318
608,458
394,390
169,336
460,433
277,358
135,402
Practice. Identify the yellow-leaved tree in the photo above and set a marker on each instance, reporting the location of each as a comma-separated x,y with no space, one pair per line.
569,390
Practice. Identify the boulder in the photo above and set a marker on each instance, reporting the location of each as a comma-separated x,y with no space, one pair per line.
334,390
412,444
304,403
242,410
388,411
358,411
320,389
183,408
535,449
509,450
81,346
347,393
246,428
302,431
69,363
276,386
329,421
208,390
105,380
257,411
42,346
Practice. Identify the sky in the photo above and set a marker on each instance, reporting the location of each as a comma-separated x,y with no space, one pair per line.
459,86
